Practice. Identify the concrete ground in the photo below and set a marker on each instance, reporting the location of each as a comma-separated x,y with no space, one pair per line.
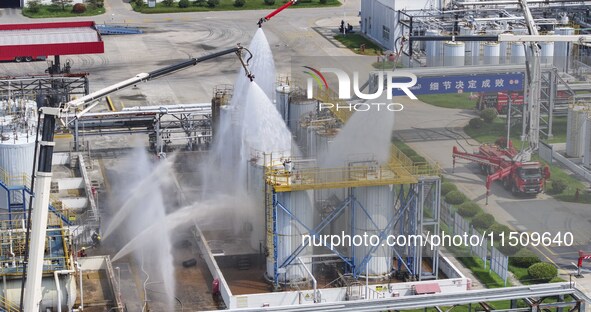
170,38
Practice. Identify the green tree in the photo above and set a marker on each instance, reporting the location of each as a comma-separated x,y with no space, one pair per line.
34,6
488,115
62,3
168,3
542,271
483,220
213,3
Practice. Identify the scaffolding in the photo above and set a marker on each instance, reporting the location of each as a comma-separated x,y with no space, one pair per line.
416,209
13,225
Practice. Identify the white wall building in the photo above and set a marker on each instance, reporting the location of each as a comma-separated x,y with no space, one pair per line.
379,18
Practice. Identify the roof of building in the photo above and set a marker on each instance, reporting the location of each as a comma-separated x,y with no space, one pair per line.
32,41
48,36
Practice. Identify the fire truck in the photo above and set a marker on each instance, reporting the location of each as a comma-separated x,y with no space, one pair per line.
500,164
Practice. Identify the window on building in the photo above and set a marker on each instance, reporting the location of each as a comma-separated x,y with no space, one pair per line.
385,33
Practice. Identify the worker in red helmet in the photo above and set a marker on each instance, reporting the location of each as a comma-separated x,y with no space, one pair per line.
82,252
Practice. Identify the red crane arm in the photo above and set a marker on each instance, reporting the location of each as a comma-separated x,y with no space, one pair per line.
279,9
498,175
481,159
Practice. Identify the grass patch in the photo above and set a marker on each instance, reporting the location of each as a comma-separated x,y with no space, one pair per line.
569,194
47,11
387,65
228,5
489,133
453,100
354,42
485,276
408,151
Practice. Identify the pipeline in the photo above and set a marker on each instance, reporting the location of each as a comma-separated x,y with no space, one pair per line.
270,15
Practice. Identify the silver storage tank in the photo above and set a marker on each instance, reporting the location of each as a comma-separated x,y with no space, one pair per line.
587,151
562,49
378,202
289,234
491,53
575,130
547,52
517,53
433,49
282,101
454,54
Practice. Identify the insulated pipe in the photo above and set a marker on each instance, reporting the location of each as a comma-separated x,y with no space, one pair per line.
454,38
314,283
59,289
79,266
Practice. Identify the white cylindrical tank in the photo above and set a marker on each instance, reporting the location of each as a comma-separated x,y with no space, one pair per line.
290,231
318,140
12,292
454,54
282,101
252,224
433,49
491,53
517,53
378,202
562,49
18,125
587,151
297,109
575,130
547,52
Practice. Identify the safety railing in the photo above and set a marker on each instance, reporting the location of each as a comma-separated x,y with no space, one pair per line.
15,179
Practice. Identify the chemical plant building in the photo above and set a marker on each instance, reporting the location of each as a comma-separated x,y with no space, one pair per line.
225,204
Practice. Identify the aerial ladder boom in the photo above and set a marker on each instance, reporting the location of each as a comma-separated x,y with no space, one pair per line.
51,109
279,9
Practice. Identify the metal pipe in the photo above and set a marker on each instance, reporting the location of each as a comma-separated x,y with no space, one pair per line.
314,283
455,38
59,289
515,2
79,266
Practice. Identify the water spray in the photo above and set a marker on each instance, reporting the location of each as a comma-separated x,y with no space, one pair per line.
270,15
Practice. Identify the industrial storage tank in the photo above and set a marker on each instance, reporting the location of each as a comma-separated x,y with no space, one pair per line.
433,49
378,202
299,107
575,130
253,223
547,52
317,129
472,49
453,54
290,229
282,93
503,52
491,53
587,151
562,49
18,125
517,53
